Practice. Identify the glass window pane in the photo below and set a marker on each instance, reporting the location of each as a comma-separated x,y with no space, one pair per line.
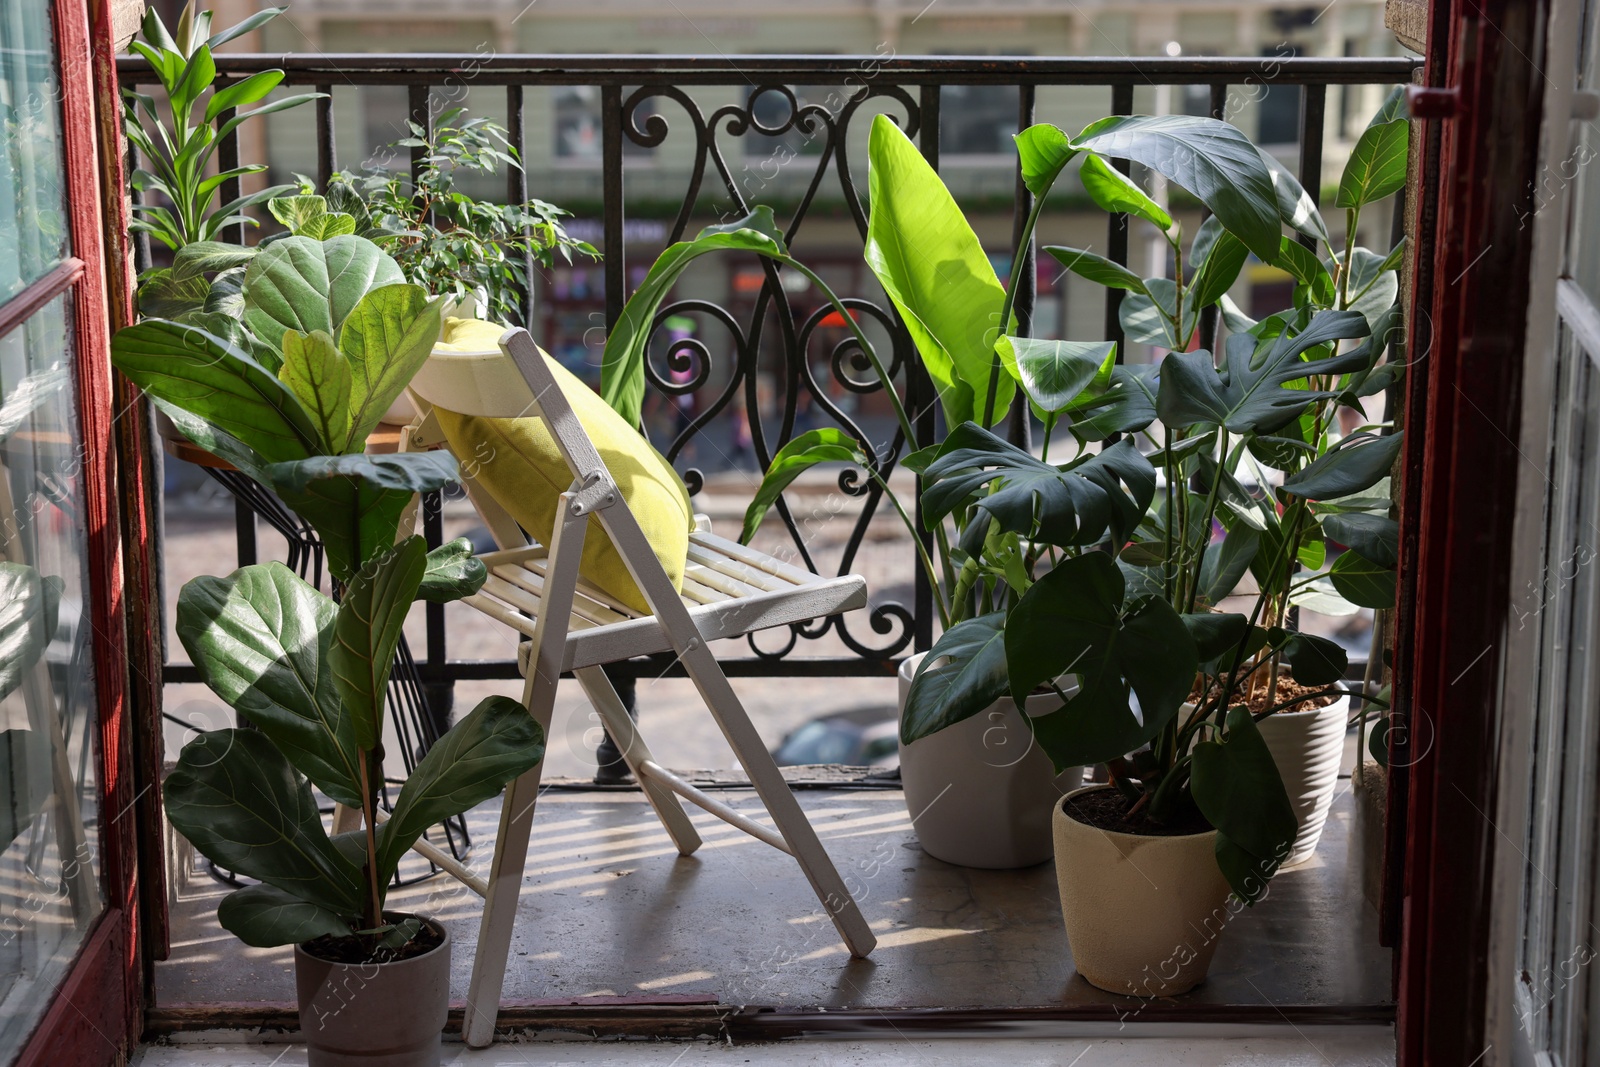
33,224
49,867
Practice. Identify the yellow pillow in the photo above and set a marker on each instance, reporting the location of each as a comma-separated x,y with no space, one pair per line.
526,474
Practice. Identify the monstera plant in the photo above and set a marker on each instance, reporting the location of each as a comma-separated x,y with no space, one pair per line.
285,383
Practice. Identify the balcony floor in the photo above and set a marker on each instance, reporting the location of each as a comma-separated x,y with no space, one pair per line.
611,919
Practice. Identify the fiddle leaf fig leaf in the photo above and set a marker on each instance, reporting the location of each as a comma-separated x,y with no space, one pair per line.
453,572
386,339
367,630
240,802
265,916
496,742
260,639
320,379
303,285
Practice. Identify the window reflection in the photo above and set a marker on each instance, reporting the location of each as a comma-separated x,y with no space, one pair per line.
33,231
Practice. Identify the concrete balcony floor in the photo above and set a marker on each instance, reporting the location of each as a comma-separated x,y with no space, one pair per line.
618,936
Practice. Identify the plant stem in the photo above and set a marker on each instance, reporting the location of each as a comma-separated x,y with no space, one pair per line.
1211,510
922,550
374,914
1006,306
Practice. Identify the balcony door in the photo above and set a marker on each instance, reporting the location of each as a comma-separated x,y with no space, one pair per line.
68,964
1544,980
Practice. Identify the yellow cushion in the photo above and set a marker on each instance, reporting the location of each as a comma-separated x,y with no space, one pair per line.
526,475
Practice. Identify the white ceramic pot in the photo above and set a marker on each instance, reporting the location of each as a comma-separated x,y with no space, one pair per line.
1143,914
1308,747
980,792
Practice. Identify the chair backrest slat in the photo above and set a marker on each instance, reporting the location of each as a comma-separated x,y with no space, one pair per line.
579,451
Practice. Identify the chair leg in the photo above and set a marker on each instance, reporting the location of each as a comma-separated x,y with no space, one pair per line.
505,884
780,801
668,808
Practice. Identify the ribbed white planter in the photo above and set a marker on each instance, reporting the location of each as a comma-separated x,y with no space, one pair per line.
980,793
1308,747
1143,914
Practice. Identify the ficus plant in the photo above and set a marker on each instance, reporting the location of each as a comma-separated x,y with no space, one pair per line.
178,158
285,385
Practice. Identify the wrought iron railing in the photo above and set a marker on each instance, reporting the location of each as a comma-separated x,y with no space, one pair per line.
912,87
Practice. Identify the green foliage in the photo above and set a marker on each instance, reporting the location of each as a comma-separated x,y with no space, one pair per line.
443,239
176,159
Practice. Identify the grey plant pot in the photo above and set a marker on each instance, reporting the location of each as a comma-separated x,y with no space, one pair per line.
980,792
375,1014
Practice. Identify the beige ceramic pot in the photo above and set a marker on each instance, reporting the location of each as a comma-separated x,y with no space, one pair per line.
980,792
375,1014
1143,914
1308,747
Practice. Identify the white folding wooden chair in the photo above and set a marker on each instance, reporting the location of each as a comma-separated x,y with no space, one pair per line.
567,625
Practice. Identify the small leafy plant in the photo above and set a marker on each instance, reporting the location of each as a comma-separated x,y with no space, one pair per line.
443,238
285,384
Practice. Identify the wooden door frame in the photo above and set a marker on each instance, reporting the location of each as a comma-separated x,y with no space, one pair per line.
98,1009
1460,493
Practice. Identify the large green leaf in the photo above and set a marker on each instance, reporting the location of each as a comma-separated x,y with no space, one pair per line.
1147,317
203,374
237,800
27,621
1217,257
1363,582
367,631
1236,785
1096,268
412,472
305,285
1054,373
497,741
1307,269
1376,537
386,339
1253,397
931,264
260,639
1374,286
1043,151
265,917
827,444
1073,504
1078,620
622,366
219,443
962,674
1295,207
1314,660
1113,191
1126,405
1226,564
1377,164
1358,462
453,572
1206,156
318,376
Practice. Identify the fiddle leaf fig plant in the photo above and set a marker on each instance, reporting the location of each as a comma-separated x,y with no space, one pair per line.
325,336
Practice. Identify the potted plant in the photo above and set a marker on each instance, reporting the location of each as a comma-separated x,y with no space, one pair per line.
1175,695
328,334
176,159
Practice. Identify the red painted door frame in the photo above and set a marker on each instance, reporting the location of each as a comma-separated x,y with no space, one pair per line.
1460,487
98,1010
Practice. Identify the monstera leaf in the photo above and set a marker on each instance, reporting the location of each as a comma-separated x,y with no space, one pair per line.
1236,785
962,674
1078,619
1073,504
1254,397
